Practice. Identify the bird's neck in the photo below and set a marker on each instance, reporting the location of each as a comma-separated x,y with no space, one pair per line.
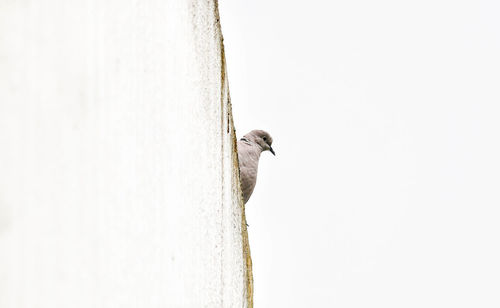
246,140
250,142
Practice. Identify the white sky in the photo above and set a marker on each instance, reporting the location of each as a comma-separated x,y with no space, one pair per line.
385,191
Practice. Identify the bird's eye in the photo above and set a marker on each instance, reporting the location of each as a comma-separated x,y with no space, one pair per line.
264,138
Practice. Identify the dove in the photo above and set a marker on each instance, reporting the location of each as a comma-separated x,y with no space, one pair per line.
249,149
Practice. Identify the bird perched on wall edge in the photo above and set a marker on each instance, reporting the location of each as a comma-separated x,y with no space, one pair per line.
249,149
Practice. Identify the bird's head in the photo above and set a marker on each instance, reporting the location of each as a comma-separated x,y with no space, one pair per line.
262,138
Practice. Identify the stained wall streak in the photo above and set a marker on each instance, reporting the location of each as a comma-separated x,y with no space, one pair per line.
235,176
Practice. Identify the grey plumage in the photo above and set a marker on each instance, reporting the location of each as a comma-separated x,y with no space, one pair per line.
249,149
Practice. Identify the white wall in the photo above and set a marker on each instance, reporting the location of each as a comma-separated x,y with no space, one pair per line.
118,185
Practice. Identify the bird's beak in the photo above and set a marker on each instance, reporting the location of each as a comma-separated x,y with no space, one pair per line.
272,151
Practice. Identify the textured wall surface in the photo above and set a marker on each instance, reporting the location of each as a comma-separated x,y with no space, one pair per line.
118,181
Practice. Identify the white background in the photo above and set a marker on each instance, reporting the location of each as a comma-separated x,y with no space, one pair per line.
385,118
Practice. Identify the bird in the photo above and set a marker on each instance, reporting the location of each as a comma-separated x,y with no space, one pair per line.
249,149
